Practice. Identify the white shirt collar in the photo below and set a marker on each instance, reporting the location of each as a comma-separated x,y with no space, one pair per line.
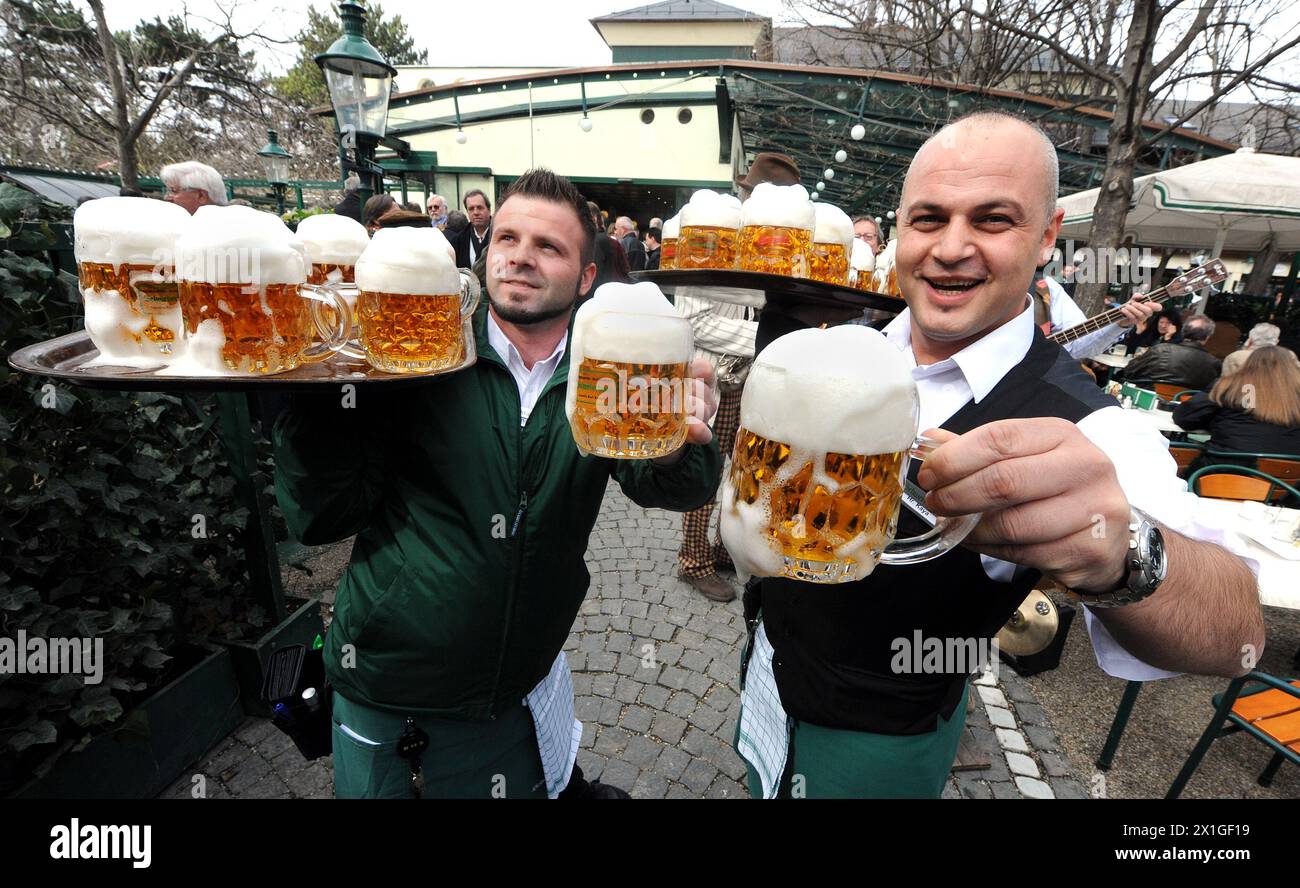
506,349
985,361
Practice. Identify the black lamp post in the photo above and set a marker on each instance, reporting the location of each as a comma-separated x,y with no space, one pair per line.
360,81
277,167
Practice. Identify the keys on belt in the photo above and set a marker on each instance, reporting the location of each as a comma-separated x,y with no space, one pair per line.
411,746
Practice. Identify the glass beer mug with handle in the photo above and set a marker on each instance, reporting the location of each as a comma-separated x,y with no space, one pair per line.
334,243
413,302
629,373
126,267
247,306
827,431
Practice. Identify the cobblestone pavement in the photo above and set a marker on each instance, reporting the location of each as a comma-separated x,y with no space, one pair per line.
655,674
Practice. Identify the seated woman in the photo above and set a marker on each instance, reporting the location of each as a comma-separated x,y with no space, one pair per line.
1255,410
1166,326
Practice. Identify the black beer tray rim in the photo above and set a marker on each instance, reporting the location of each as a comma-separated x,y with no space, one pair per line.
63,358
779,290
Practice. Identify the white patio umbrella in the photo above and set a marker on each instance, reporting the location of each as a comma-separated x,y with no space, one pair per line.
1235,202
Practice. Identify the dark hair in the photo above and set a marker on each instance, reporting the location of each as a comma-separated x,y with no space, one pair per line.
411,208
594,208
125,191
542,184
398,217
376,206
655,233
456,221
479,192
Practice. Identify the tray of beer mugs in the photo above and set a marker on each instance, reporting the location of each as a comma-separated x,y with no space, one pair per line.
230,299
784,249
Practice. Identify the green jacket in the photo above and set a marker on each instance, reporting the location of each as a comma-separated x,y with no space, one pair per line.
467,571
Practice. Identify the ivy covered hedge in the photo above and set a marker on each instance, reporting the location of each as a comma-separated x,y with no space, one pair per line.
99,534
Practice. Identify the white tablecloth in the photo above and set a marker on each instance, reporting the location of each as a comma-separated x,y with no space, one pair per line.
1118,362
1279,577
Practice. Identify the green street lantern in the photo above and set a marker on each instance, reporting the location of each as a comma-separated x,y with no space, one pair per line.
277,160
359,78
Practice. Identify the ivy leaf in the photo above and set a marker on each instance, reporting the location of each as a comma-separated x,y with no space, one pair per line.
41,732
96,711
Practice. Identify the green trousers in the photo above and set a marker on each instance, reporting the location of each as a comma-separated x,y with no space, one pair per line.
464,760
827,763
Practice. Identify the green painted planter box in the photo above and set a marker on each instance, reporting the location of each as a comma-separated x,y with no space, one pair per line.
249,658
156,742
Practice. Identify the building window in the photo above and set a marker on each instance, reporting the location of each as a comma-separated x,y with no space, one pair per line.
648,115
684,115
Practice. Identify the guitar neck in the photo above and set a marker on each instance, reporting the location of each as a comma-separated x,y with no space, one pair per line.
1105,319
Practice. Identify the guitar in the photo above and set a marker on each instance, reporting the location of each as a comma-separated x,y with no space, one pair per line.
1207,275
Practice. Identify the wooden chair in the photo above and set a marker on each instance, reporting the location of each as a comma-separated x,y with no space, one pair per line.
1270,714
1168,391
1238,483
1283,466
1184,453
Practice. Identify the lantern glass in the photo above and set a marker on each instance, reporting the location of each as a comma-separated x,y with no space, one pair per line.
359,91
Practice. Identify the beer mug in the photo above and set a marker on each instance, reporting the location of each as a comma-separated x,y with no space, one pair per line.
885,279
828,427
125,249
832,240
776,230
668,246
629,373
862,265
333,244
412,301
710,224
247,306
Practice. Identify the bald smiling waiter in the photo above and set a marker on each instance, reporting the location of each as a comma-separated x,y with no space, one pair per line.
1029,440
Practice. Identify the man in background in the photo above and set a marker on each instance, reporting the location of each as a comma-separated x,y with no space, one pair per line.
191,185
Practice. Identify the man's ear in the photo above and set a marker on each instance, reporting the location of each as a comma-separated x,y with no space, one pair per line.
1049,235
587,279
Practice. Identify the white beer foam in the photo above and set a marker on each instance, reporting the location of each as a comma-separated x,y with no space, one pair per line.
626,322
779,206
884,263
833,225
127,230
202,354
239,245
416,261
672,227
709,209
117,331
332,239
843,390
863,258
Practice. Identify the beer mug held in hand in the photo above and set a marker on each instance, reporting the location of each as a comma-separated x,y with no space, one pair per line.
776,231
827,431
247,306
413,301
126,267
629,373
862,266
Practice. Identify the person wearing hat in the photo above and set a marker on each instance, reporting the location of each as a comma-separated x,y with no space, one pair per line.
724,335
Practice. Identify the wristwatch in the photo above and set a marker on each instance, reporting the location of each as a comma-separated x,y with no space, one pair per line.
1145,565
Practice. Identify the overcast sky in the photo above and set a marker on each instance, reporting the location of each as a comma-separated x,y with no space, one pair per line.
487,33
516,33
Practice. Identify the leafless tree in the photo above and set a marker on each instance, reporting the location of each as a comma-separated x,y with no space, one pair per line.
1131,58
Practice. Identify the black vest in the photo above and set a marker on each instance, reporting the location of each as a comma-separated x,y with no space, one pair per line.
834,643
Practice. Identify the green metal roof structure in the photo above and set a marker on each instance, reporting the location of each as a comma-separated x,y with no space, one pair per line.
809,112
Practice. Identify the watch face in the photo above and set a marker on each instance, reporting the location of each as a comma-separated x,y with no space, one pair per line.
1156,550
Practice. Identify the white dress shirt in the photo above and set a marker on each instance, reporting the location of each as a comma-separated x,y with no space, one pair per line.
530,382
